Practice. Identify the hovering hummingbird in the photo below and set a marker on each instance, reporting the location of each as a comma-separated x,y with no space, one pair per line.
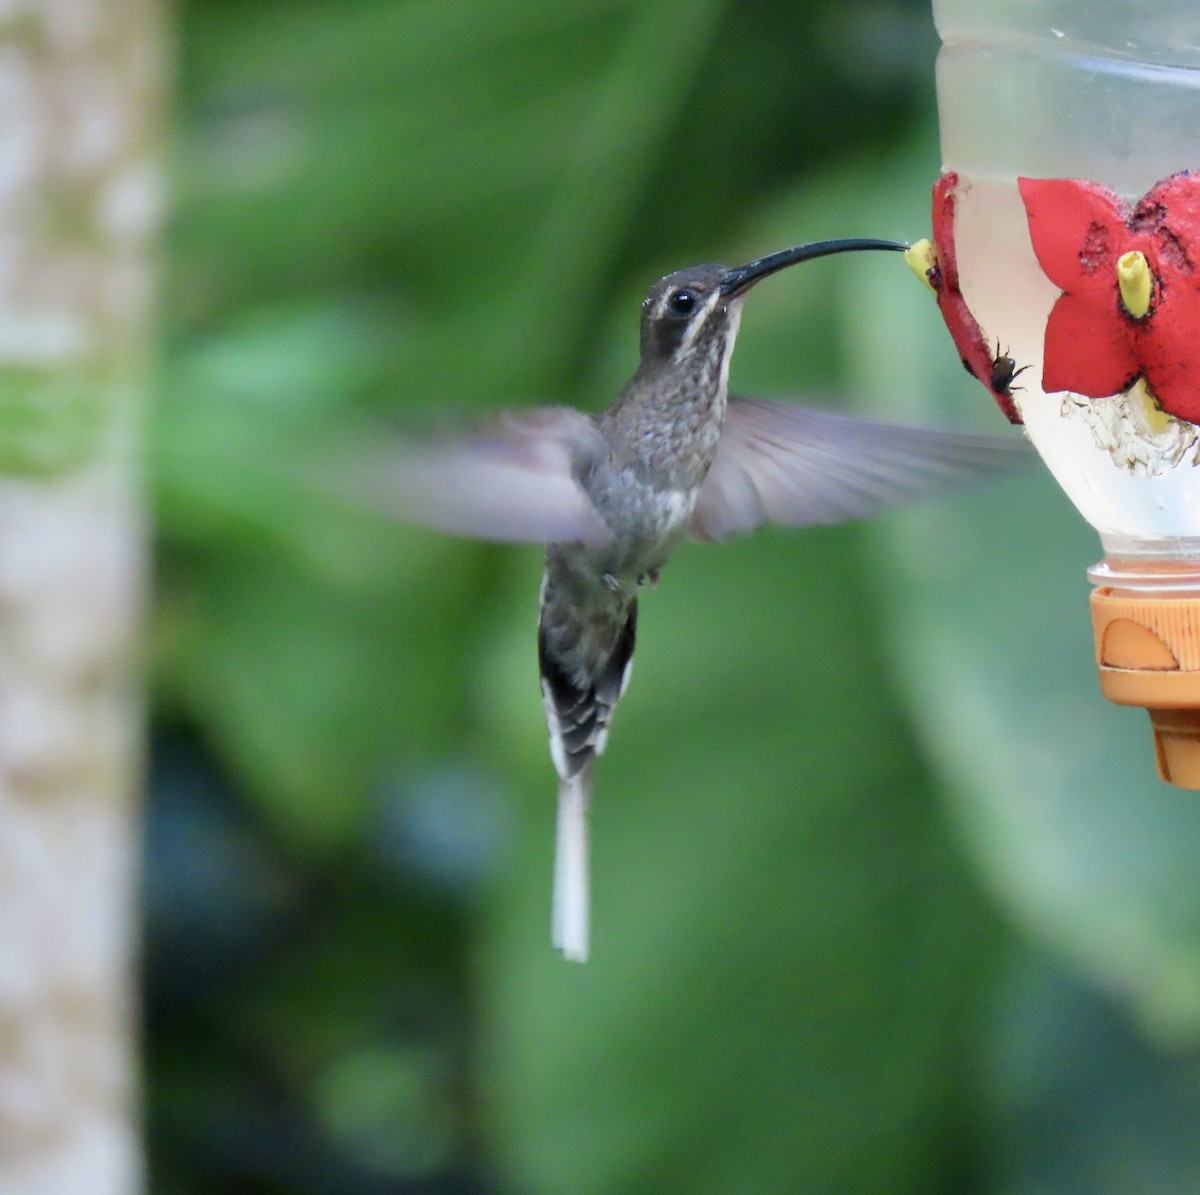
674,457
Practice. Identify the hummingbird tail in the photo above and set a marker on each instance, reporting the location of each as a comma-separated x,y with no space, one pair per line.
584,657
569,917
582,687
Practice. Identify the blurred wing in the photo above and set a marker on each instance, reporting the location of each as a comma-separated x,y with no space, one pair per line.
785,463
516,480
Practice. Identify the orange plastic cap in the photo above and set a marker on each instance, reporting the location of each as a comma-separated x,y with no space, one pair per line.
1148,654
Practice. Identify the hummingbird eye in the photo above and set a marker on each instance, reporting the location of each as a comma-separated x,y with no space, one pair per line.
682,302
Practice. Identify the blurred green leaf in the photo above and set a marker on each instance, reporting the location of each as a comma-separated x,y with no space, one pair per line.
389,1108
783,943
1075,1101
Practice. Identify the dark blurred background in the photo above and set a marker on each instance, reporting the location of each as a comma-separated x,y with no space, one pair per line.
886,899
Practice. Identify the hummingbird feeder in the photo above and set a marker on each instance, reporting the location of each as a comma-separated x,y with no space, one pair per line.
1065,260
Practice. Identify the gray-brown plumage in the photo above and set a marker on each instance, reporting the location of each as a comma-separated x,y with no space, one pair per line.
673,457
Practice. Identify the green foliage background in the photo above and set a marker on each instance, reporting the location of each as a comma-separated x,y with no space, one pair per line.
887,899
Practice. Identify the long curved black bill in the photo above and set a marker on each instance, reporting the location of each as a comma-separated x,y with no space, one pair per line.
738,280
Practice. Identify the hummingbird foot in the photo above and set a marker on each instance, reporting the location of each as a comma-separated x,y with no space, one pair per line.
648,580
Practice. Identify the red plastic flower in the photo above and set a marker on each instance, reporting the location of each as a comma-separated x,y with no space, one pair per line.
993,370
1095,344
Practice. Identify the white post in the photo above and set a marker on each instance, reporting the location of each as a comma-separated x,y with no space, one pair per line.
80,97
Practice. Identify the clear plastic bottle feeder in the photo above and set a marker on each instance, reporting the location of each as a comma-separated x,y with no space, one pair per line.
1066,262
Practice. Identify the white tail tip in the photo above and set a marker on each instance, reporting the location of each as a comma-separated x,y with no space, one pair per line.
569,917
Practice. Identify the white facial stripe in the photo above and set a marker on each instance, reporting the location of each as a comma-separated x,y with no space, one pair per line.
698,320
731,331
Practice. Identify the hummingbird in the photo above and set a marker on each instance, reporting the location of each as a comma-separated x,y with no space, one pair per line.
611,497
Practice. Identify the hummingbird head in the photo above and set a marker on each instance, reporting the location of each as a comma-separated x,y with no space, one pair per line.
691,316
